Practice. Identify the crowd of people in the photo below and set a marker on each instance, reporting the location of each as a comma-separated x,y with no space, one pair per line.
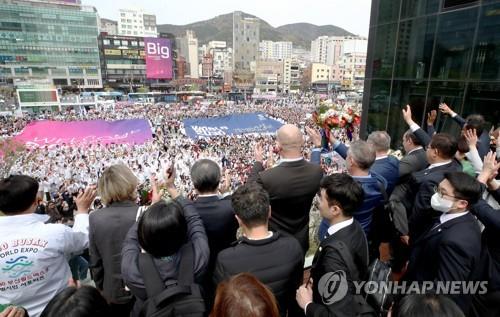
221,226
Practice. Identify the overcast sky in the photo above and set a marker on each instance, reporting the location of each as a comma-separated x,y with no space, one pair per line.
352,15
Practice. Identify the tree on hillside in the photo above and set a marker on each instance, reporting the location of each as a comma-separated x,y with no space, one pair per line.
10,151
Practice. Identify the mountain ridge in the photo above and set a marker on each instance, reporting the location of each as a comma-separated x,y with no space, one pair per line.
220,28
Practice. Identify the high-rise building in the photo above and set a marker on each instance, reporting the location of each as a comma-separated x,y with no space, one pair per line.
352,67
423,53
222,57
108,26
275,50
150,29
54,40
134,22
329,50
291,74
246,37
188,48
207,66
319,50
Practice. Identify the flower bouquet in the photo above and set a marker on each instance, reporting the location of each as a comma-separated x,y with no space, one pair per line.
330,117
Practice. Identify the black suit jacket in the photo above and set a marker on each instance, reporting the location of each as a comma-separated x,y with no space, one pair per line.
490,259
328,260
291,187
449,252
422,185
107,230
276,261
219,222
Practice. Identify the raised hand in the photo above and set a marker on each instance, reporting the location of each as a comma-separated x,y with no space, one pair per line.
431,117
471,137
258,152
314,136
490,169
170,182
445,109
85,199
155,188
407,115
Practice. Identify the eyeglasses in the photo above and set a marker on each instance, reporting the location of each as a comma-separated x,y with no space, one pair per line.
439,191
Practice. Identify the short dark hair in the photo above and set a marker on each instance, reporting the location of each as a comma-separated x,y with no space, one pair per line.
342,190
428,305
85,301
251,204
17,194
475,121
464,186
463,145
445,144
205,175
410,135
162,229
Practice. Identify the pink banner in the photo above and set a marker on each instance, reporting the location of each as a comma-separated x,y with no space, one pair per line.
158,58
78,133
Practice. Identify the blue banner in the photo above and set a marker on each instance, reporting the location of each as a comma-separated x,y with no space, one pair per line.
231,125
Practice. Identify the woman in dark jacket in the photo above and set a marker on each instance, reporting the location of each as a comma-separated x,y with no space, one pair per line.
107,230
162,231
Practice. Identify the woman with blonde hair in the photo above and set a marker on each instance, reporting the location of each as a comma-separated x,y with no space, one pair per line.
117,187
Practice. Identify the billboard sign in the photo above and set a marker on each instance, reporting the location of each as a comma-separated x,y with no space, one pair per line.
158,58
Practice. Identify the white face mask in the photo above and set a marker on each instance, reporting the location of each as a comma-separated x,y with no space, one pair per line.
440,204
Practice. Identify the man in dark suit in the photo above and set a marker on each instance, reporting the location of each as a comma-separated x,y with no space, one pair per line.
216,213
450,250
385,165
275,259
342,255
419,189
291,185
487,304
415,159
215,210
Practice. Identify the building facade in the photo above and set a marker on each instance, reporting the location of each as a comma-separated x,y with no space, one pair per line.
246,38
222,57
123,62
275,50
330,49
56,41
321,72
319,50
188,48
291,75
352,67
423,53
269,76
134,22
108,26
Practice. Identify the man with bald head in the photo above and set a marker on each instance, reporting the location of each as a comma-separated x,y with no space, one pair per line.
291,184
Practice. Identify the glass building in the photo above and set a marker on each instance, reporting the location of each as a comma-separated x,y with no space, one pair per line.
54,40
424,52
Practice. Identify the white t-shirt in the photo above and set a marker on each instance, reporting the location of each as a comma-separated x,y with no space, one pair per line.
34,258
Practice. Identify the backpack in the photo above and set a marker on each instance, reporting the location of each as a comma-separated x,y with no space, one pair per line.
379,272
181,299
